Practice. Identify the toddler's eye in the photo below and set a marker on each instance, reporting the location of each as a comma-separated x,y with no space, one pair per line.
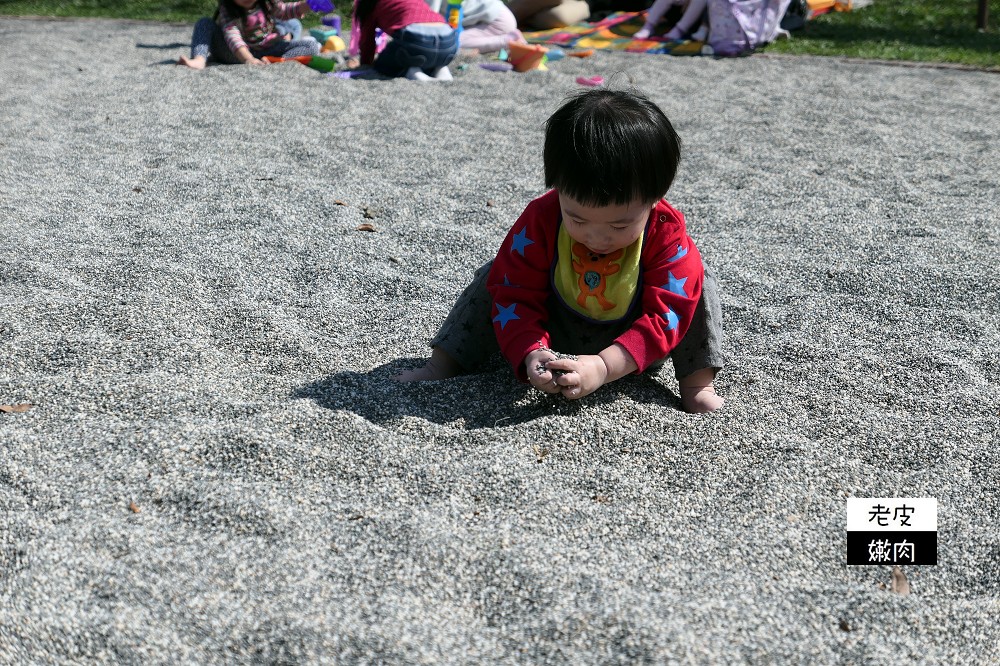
619,228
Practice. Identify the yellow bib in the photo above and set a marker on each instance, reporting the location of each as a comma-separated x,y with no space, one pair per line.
600,287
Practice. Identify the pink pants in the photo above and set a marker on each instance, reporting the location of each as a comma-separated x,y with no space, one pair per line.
491,36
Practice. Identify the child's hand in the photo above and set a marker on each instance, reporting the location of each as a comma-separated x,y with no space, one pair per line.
353,63
582,376
538,374
256,62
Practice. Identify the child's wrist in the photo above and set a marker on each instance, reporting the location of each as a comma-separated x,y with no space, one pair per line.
607,370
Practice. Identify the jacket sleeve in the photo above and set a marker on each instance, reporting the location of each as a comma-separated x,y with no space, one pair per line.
289,10
231,30
672,279
519,286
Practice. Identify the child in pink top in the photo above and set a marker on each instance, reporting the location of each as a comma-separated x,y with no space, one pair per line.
422,41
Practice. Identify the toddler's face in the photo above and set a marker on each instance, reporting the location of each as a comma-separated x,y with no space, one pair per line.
604,229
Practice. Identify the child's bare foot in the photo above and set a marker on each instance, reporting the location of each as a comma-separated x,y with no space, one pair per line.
698,394
197,62
439,366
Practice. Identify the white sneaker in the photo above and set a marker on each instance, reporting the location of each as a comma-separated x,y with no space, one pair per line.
417,74
443,74
643,33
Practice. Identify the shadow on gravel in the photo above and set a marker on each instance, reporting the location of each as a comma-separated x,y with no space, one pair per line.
492,399
171,45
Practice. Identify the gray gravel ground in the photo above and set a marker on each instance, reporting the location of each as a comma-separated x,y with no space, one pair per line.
205,334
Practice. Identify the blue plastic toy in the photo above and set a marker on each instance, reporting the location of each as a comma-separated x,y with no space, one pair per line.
323,34
332,21
321,6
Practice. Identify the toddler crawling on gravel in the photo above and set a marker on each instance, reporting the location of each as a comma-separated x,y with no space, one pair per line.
600,267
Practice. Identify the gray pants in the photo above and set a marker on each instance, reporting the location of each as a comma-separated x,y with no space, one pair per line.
467,333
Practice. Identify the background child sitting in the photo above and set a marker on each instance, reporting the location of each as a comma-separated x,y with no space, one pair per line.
244,31
487,25
691,18
600,266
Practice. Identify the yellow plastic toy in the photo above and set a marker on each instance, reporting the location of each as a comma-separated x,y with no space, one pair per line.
333,43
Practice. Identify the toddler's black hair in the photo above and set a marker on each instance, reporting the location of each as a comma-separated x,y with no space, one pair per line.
232,8
610,147
363,8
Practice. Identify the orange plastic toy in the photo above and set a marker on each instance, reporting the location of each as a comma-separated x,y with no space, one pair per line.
525,57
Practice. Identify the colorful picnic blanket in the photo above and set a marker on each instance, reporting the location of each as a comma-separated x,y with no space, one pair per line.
737,28
613,33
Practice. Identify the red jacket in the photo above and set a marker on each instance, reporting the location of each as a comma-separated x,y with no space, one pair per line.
521,282
391,16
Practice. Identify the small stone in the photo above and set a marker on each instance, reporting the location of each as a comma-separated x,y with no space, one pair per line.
899,584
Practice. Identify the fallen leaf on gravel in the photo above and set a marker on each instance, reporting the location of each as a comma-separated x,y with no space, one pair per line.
15,409
137,189
844,626
134,507
540,452
489,203
339,202
601,499
899,584
366,227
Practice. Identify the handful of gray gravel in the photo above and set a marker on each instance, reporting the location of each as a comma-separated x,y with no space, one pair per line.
542,367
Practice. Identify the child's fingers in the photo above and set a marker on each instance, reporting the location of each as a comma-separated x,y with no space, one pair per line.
567,380
571,385
543,381
563,364
538,375
548,387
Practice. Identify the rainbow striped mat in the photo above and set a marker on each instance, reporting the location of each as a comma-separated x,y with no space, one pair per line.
612,33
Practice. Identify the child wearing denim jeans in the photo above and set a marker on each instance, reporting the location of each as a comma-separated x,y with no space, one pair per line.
600,267
422,46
